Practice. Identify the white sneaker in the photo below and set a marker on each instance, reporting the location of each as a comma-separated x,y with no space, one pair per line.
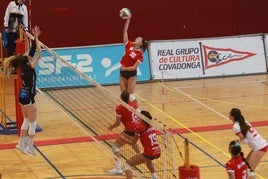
154,176
20,147
29,150
116,171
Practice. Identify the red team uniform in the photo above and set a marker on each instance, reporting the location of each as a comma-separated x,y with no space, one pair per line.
131,55
129,119
148,141
237,166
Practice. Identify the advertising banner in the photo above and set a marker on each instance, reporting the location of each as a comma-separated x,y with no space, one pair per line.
101,63
207,57
266,47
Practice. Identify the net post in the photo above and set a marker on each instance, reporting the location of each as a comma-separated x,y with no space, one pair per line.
2,86
17,86
20,49
163,91
188,171
186,154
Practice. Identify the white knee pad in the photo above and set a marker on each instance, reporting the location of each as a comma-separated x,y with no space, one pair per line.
25,124
32,127
115,148
132,97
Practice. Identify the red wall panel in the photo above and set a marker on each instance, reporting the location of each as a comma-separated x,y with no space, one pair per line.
88,22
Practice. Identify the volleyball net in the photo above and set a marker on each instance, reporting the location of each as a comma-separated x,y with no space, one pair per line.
93,106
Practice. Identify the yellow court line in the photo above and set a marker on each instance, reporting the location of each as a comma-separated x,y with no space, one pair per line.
181,124
184,126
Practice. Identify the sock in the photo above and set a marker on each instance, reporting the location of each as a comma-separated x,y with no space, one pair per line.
118,164
30,142
22,141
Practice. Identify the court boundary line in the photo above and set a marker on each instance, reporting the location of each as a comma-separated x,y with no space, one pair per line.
70,140
184,126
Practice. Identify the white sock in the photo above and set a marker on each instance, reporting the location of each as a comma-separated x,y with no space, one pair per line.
118,164
154,175
22,141
30,142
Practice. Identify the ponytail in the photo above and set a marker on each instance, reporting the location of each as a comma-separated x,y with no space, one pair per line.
244,159
144,45
236,113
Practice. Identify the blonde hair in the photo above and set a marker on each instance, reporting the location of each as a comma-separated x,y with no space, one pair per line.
7,66
12,62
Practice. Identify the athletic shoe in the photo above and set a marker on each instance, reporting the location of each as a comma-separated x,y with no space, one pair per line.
116,171
20,147
154,176
29,150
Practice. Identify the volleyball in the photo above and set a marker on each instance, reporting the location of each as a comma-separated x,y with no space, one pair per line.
124,13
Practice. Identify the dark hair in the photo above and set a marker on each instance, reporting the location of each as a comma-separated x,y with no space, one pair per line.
148,115
236,113
20,60
235,149
144,45
125,96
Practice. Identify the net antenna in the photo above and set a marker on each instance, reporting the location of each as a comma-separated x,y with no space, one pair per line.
93,106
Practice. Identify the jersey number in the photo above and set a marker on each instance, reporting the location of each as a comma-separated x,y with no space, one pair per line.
153,139
253,132
134,118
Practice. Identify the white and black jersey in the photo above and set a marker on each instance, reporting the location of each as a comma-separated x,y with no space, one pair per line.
16,12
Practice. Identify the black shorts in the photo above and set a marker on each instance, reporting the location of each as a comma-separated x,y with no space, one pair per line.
128,74
129,133
150,157
26,101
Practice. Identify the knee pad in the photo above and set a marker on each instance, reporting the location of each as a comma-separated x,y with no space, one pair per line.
115,148
127,166
132,97
25,124
32,127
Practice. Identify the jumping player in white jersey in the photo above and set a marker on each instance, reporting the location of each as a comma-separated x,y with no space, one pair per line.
248,135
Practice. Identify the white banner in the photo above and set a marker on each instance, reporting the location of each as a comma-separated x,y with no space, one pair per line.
266,47
207,57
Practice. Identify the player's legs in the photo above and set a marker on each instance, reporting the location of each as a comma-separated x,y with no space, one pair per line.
150,166
131,85
23,130
123,84
134,145
133,161
117,145
255,158
32,115
25,123
116,150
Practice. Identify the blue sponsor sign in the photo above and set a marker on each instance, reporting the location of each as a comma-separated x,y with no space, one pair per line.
101,63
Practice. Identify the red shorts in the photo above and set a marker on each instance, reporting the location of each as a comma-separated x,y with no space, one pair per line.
264,149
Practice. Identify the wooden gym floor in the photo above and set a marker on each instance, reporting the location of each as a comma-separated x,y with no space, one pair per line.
65,150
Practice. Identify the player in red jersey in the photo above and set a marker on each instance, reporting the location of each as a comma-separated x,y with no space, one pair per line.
237,166
130,61
248,135
128,136
150,145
